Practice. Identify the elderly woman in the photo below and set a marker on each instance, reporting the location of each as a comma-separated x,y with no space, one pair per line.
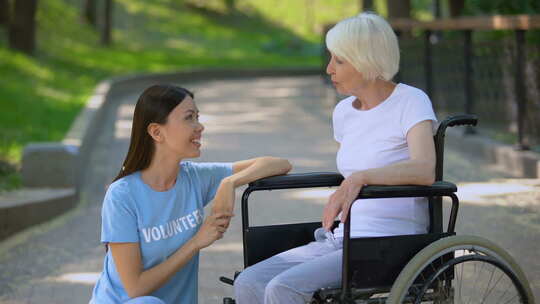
385,132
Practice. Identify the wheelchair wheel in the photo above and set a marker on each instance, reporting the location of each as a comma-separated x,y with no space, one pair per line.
461,269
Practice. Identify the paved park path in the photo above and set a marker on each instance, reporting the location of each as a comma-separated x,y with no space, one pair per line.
58,262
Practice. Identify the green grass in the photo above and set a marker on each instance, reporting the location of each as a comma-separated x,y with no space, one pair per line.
10,178
41,95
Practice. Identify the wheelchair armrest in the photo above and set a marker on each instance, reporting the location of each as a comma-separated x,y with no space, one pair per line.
298,180
331,179
439,188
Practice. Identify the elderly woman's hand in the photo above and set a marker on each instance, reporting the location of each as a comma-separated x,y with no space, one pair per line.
341,200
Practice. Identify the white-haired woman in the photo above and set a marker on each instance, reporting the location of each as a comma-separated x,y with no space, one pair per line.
385,132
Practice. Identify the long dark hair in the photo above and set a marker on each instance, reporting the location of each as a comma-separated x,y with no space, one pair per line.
153,106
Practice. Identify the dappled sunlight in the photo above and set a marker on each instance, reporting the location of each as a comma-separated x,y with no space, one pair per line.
275,92
124,121
208,92
483,193
25,65
268,115
326,149
154,35
249,122
324,12
122,128
241,129
139,7
57,94
182,44
288,82
86,278
476,193
125,111
314,196
309,162
208,145
237,106
225,247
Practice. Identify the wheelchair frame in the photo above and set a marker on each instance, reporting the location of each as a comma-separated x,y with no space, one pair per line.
418,245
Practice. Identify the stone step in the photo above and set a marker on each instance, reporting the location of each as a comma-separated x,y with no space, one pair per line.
25,207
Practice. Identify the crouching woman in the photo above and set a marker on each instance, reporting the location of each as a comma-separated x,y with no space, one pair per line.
153,220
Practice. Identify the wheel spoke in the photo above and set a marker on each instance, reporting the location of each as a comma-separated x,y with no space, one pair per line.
512,298
475,281
487,287
504,293
496,283
461,282
442,288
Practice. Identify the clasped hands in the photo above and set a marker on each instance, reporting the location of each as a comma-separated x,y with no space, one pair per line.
342,199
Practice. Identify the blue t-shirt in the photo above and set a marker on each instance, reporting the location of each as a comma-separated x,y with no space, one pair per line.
161,222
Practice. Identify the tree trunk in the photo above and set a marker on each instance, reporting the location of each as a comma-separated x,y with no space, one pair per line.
90,12
399,8
107,24
22,29
230,4
437,9
456,7
5,10
367,5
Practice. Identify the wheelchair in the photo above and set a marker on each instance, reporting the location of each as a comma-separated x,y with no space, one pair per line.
437,267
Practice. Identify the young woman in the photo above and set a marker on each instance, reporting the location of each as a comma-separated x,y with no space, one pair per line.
385,132
153,218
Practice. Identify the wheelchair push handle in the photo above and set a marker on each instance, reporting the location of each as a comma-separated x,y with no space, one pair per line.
461,120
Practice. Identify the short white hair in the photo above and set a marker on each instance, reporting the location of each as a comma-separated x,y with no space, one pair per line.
368,43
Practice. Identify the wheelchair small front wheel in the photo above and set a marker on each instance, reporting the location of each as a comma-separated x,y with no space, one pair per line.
461,269
228,301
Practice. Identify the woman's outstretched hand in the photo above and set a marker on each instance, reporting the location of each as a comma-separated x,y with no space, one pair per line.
341,200
212,229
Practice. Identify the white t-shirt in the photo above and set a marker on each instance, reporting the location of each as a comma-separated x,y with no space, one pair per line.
376,138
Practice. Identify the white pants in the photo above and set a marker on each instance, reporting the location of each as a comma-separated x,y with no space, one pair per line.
292,276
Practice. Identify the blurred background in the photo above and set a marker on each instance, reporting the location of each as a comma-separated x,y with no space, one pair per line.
54,52
256,68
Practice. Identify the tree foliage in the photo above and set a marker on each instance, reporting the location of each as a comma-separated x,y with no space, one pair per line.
502,7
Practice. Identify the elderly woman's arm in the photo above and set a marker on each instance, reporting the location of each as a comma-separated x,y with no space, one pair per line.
245,172
418,170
